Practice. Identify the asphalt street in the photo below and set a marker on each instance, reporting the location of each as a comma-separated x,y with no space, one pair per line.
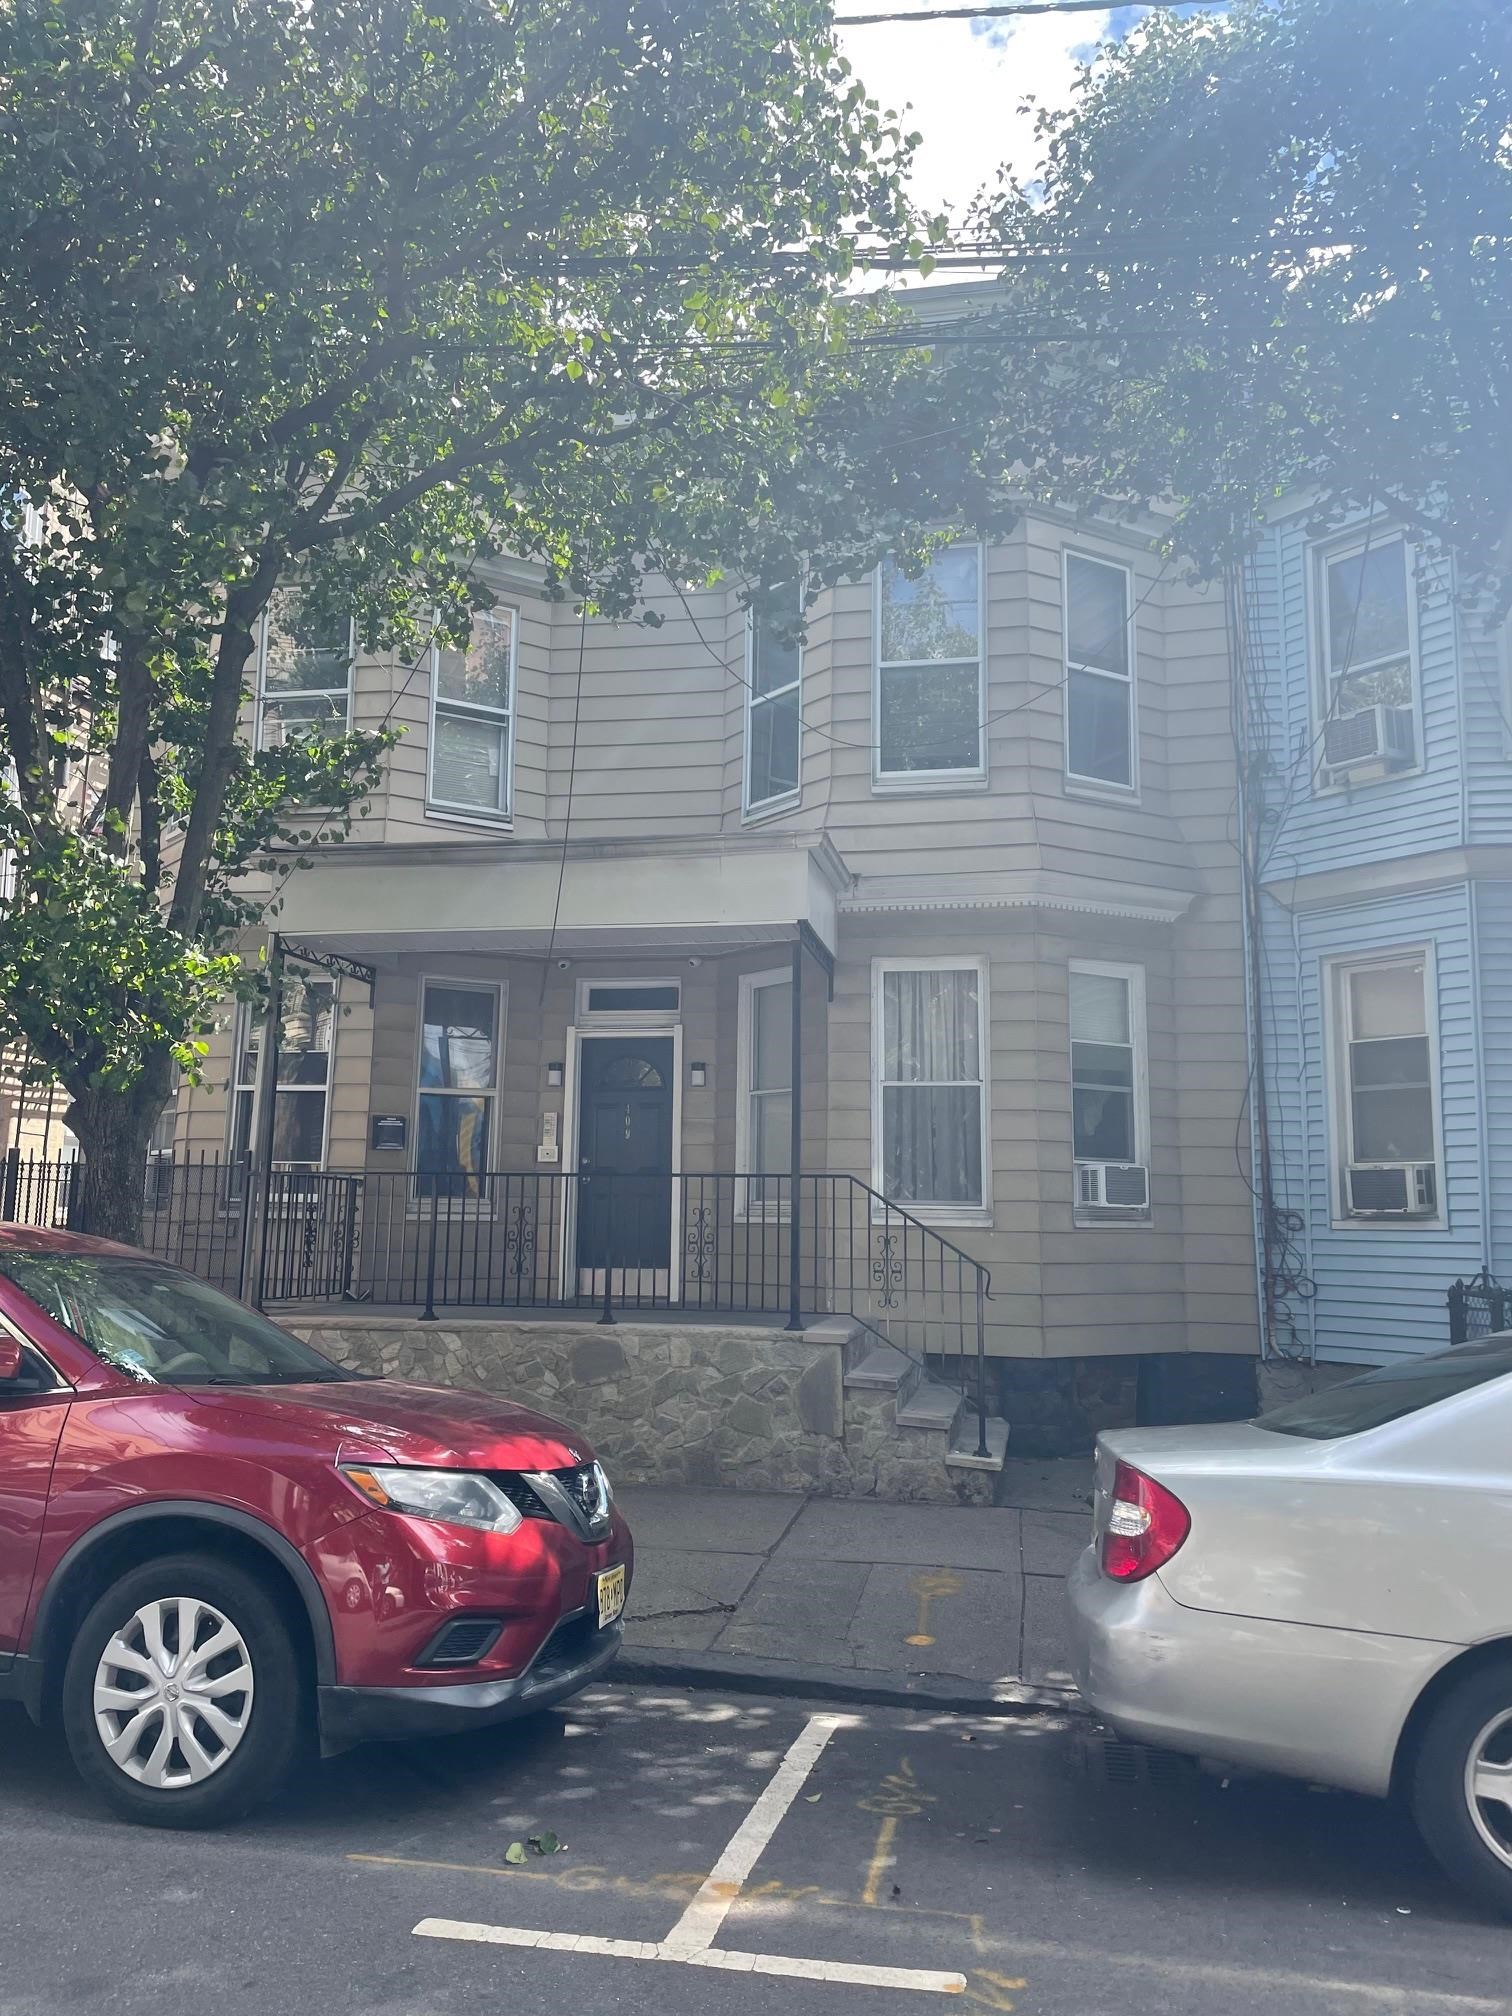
771,1856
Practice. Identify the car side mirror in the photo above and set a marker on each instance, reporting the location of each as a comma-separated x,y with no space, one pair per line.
10,1359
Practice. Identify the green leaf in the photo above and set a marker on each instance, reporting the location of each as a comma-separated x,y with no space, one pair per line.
514,1854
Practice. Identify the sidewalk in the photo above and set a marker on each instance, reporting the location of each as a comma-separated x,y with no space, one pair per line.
851,1599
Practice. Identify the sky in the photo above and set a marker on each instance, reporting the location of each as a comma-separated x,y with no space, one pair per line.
966,82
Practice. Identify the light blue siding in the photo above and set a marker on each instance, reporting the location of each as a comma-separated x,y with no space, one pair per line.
1318,830
1380,1290
1488,733
1493,910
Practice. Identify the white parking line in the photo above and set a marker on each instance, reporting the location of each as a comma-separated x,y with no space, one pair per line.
690,1943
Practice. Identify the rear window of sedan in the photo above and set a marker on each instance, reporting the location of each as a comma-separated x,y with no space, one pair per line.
1396,1390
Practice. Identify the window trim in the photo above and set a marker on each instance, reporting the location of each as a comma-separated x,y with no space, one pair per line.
1076,783
1335,970
449,808
754,809
884,781
745,1030
932,1213
419,1200
241,1029
260,699
1321,555
1134,977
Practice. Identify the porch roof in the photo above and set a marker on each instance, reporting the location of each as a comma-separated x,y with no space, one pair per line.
739,890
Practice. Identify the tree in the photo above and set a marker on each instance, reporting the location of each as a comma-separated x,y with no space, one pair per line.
1288,230
353,293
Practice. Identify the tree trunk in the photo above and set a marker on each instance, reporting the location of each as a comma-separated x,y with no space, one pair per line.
114,1129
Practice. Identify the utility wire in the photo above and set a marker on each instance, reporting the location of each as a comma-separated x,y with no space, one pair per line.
1007,11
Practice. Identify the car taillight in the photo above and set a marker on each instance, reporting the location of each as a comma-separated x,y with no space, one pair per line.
1146,1525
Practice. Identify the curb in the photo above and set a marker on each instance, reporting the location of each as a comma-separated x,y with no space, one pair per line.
861,1688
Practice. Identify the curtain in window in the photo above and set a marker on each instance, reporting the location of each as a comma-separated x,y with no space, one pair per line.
931,1087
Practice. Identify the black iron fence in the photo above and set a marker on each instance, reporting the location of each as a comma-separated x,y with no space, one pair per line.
1478,1308
607,1244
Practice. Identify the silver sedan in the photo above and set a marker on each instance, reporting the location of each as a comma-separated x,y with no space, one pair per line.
1325,1592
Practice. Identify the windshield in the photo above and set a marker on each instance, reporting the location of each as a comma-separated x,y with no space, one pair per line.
1394,1391
158,1325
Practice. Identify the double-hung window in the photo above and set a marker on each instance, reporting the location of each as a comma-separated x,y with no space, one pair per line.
929,1123
1100,714
764,1117
774,686
929,683
306,1037
304,671
472,721
1367,628
1108,1119
461,1043
1389,1125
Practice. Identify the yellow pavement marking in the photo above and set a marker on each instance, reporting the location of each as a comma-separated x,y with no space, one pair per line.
935,1582
882,1859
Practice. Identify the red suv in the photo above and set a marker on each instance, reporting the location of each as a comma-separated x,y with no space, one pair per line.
217,1545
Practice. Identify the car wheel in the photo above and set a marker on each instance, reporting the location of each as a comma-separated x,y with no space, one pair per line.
184,1702
1462,1784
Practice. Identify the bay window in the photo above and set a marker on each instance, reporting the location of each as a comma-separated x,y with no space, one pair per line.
461,1039
472,721
764,1117
304,670
306,1038
1100,719
929,1093
774,726
1108,1123
929,675
1389,1128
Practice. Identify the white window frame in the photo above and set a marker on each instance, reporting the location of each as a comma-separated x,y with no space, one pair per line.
449,808
419,1198
262,696
745,1052
628,1019
930,780
1321,555
926,1212
1076,782
782,801
1335,974
1133,977
241,1033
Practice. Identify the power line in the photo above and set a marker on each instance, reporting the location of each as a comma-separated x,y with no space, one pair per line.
1007,11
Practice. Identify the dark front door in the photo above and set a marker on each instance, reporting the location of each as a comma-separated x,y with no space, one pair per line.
625,1152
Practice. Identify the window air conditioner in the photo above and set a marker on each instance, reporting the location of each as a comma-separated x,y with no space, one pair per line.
1112,1186
1376,735
1392,1189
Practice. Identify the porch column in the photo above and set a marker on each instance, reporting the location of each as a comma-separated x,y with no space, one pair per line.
795,1214
259,1189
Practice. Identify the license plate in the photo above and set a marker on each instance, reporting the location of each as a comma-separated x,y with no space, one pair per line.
611,1594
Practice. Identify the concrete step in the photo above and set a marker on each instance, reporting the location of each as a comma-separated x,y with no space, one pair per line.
883,1369
930,1405
962,1453
832,1330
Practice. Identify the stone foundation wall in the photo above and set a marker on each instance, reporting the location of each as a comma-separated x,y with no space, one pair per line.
751,1408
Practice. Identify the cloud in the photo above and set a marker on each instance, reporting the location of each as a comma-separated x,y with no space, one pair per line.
966,83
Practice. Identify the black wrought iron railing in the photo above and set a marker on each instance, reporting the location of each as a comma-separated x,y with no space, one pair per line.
704,1244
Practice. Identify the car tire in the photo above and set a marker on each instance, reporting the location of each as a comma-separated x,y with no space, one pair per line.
1469,1732
176,1736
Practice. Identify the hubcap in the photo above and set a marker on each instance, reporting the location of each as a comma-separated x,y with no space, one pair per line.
1488,1785
173,1693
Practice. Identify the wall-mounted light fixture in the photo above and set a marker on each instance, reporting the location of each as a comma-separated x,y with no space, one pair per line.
698,1076
553,1074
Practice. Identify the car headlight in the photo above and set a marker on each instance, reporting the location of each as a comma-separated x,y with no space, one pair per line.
604,1485
450,1497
